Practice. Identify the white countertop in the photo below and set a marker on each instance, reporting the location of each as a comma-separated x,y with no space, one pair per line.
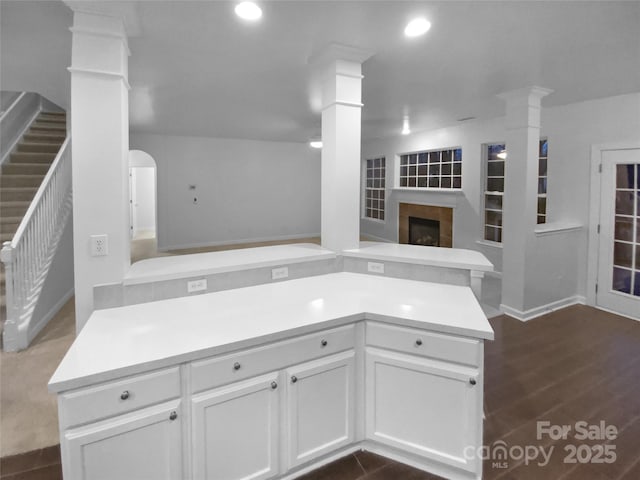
181,266
128,340
421,255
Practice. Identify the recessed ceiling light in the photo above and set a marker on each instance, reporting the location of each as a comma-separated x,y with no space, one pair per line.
406,130
416,27
248,11
315,144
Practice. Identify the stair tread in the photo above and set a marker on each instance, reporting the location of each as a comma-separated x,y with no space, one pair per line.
24,175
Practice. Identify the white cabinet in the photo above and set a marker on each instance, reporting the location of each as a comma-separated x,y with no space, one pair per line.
236,430
426,407
145,444
283,407
320,407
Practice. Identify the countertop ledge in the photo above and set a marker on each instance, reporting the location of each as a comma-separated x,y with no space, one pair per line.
201,264
417,254
130,340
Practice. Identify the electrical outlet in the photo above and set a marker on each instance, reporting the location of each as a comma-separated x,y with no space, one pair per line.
375,267
99,245
281,272
197,285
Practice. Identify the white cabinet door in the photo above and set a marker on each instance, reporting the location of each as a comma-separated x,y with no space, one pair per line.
320,407
145,445
236,430
425,407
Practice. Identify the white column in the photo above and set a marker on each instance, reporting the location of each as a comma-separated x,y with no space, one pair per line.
519,211
100,146
340,68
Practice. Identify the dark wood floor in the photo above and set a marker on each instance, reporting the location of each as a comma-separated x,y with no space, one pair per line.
576,364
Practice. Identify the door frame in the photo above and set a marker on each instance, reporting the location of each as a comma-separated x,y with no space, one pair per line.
595,202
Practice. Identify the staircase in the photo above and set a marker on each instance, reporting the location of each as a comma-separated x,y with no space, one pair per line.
22,175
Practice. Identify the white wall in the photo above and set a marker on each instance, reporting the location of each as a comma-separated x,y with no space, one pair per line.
246,190
35,48
560,260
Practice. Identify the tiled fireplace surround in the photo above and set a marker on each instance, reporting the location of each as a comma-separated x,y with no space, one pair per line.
444,215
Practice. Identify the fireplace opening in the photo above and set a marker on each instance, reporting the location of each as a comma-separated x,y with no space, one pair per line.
423,231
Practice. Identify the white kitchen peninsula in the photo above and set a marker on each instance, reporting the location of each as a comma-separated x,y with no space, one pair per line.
273,380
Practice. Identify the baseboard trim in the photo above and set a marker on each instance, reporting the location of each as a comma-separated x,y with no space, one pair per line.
49,315
165,248
543,309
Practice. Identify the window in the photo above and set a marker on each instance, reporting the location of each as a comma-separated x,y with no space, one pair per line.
493,192
542,182
374,189
494,188
434,169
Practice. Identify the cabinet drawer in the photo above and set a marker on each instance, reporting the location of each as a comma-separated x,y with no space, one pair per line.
114,398
214,372
427,344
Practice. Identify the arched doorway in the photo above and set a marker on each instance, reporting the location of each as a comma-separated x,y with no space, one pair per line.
142,195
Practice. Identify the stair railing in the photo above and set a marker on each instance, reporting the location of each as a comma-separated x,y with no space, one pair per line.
28,256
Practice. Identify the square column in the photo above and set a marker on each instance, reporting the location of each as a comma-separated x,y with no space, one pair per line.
100,146
520,201
340,70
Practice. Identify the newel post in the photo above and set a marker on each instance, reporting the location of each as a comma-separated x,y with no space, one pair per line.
7,257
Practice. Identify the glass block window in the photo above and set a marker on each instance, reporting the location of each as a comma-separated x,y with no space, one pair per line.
542,181
375,188
626,245
494,191
433,169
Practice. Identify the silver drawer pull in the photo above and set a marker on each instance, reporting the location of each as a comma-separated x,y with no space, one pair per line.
236,366
294,379
124,395
274,385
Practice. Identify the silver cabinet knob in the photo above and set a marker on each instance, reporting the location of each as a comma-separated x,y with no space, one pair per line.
236,366
274,385
419,342
294,379
323,343
173,415
472,381
124,395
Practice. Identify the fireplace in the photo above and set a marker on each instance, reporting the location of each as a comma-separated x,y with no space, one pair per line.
423,231
430,225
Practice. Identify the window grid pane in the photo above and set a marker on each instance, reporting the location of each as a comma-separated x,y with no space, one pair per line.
626,245
375,188
432,169
542,181
493,192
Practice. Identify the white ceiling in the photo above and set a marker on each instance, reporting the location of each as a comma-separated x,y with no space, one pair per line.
196,69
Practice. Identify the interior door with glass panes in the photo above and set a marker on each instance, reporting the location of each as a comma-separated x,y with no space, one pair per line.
619,248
